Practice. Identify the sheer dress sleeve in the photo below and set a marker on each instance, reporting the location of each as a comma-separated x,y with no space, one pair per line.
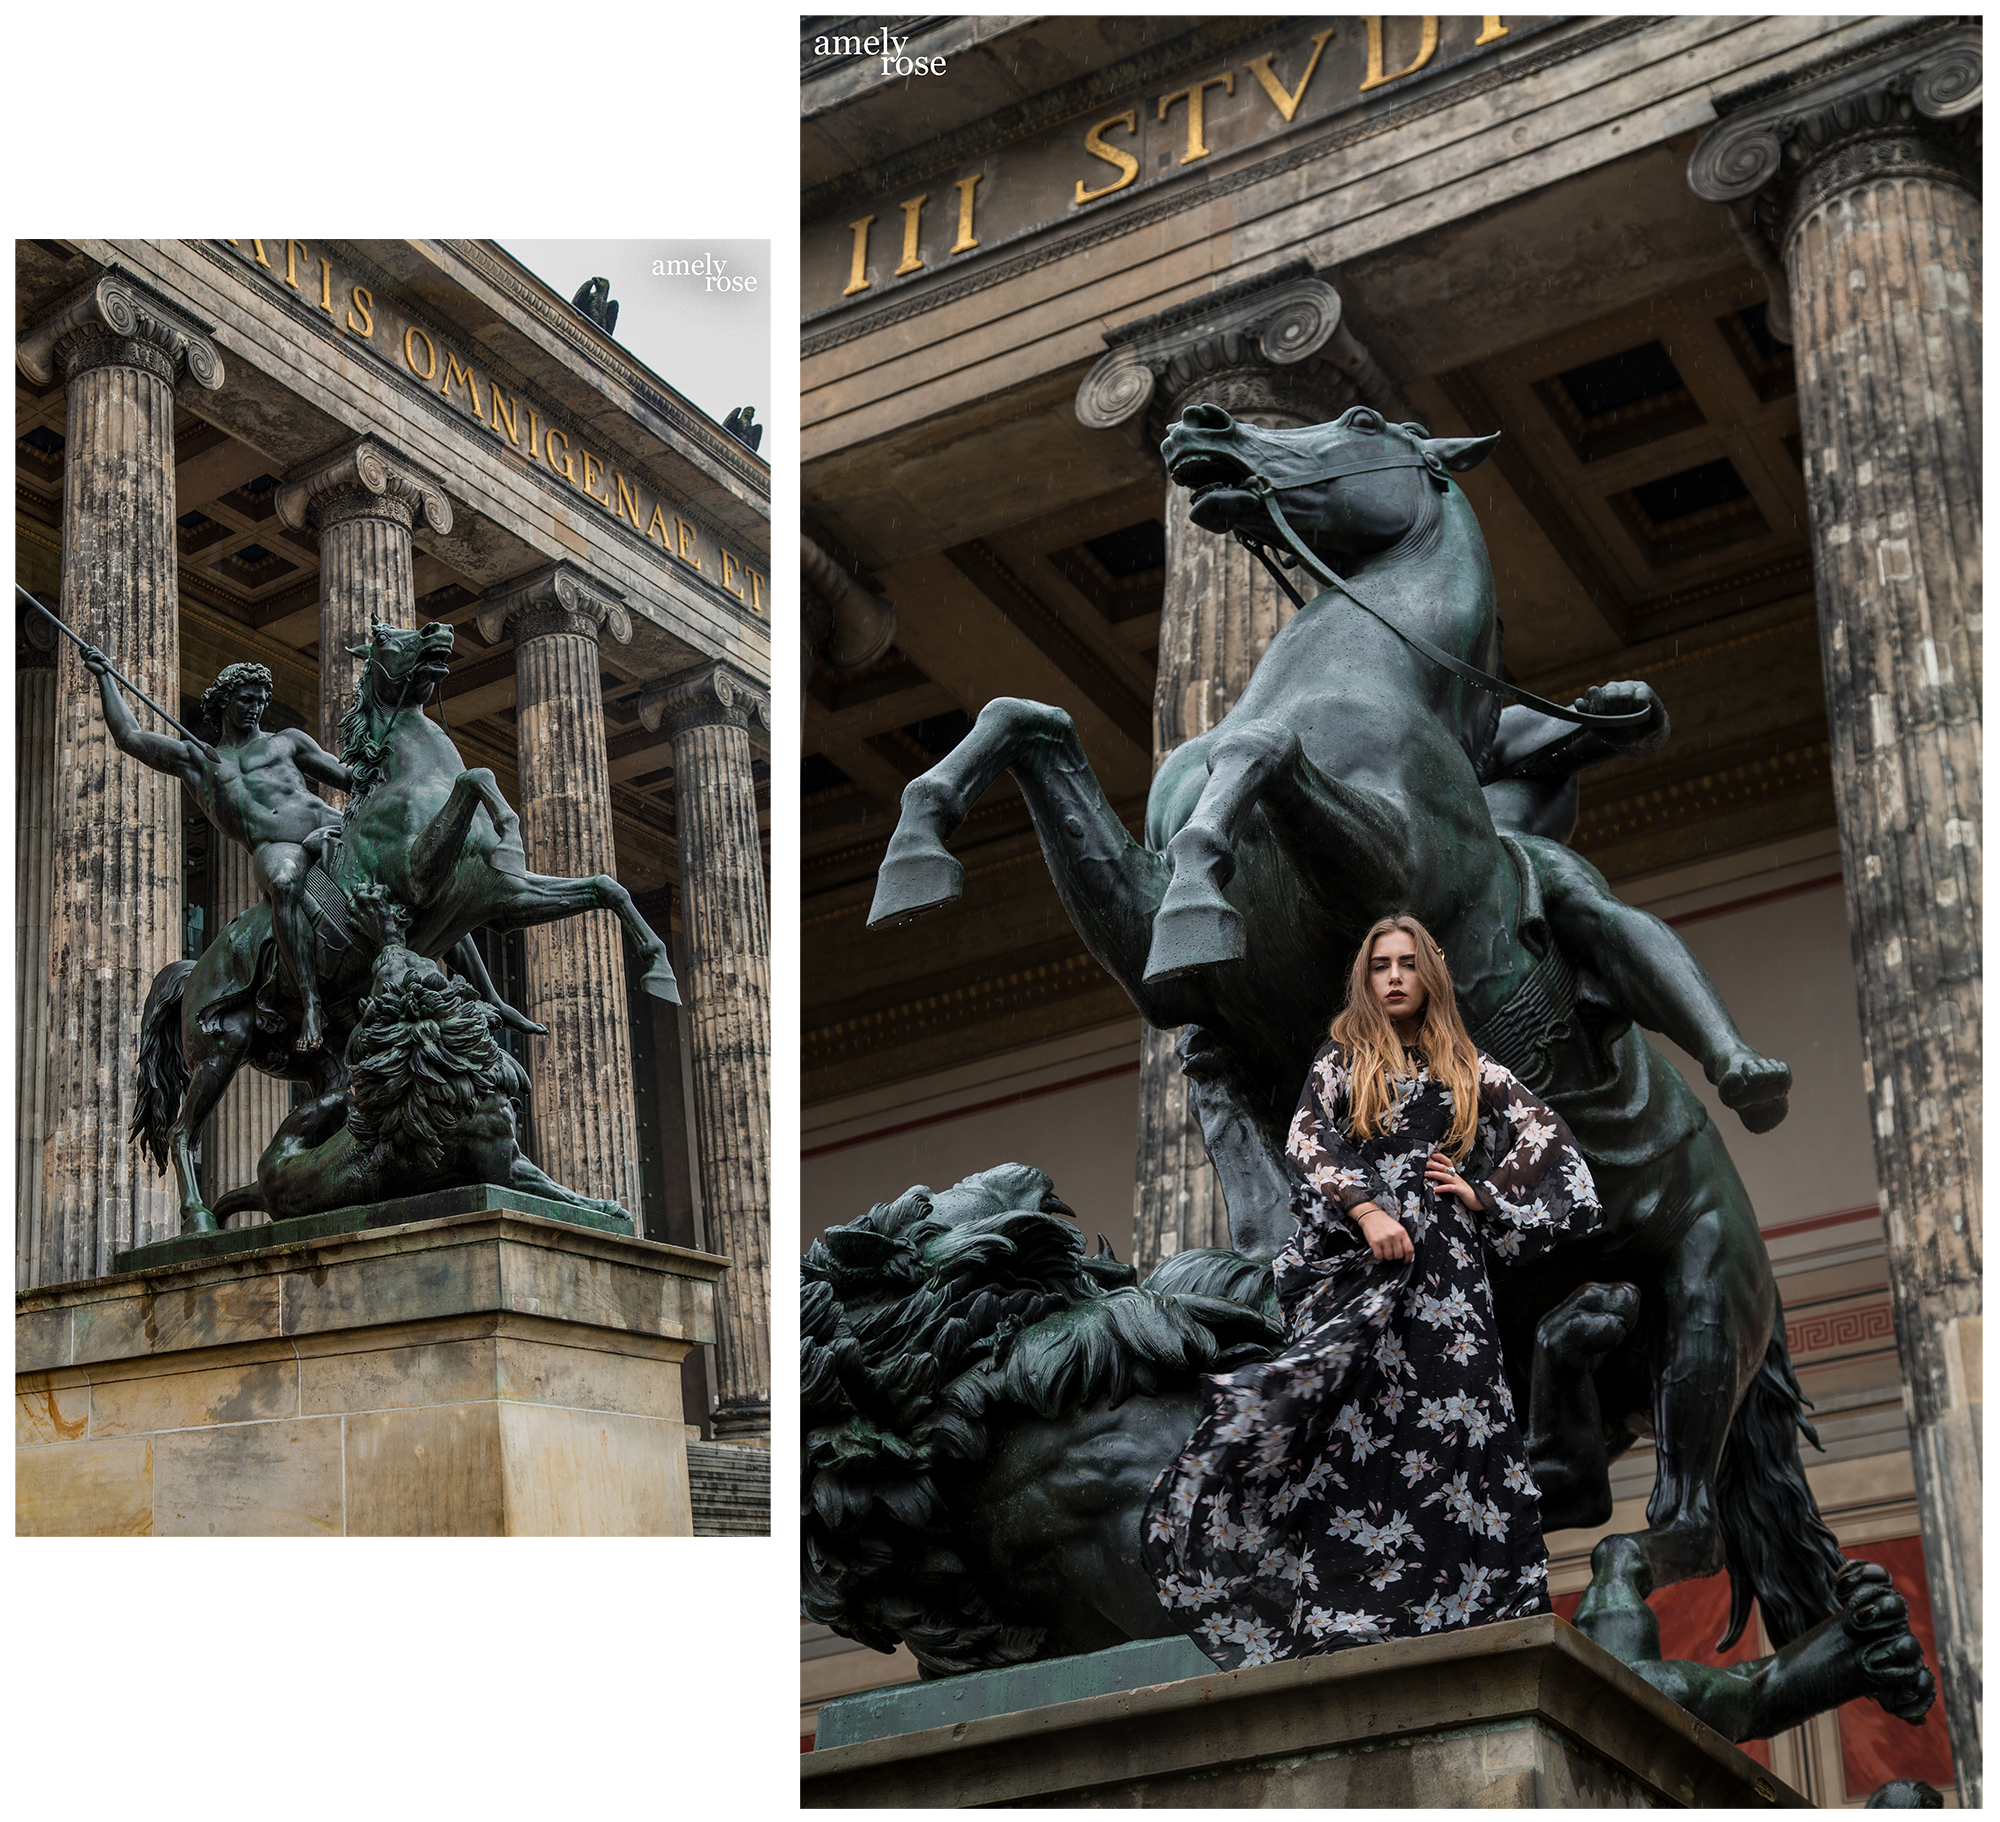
1333,1177
1538,1192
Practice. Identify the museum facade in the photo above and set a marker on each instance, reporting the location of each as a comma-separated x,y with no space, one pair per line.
1715,282
251,449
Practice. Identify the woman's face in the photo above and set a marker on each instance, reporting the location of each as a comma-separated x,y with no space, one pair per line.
1392,973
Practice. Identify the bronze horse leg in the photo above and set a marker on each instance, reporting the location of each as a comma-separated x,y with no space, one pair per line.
523,899
435,853
1353,832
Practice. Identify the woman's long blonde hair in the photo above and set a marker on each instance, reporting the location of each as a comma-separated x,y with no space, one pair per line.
1375,1053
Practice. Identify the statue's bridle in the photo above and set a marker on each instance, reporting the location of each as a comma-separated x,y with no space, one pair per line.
1262,489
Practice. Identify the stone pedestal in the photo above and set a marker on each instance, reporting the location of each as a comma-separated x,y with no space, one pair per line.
1527,1714
362,504
254,1104
586,1134
115,831
1866,179
709,713
1271,352
487,1374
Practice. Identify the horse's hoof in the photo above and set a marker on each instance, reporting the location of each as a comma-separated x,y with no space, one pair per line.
1193,936
1587,1325
919,879
199,1221
658,980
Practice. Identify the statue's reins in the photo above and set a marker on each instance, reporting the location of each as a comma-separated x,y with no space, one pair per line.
1262,489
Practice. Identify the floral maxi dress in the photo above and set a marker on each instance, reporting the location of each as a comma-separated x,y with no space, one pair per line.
1370,1481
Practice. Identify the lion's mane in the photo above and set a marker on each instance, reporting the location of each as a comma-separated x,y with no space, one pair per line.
927,1323
422,1060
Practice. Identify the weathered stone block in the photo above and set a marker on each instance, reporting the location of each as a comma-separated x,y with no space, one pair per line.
249,1480
484,1374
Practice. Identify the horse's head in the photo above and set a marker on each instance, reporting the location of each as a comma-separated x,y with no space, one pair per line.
1356,485
405,663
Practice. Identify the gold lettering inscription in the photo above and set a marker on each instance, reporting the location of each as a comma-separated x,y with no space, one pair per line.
293,248
534,434
1123,162
729,560
858,279
913,213
659,524
685,533
1287,105
592,468
362,299
256,247
453,371
1424,53
628,503
326,287
756,588
965,242
1490,29
1192,96
409,354
567,466
506,416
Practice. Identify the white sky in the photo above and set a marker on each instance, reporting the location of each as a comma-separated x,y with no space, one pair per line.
712,347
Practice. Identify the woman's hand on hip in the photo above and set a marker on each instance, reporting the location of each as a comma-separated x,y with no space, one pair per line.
1442,1175
1386,1236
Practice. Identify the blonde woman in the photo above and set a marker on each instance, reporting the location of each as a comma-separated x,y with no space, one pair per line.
1370,1482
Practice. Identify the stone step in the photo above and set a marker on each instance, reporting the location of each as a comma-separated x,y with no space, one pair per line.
731,1488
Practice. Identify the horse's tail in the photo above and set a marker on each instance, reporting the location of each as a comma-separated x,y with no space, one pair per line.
163,1070
1778,1548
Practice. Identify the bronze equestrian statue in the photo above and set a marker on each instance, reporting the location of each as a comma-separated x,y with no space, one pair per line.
440,839
1351,781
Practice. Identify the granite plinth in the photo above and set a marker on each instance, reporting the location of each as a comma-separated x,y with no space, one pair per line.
473,1198
490,1373
1521,1715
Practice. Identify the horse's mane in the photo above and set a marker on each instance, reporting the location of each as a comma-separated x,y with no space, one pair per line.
420,1063
366,756
920,1335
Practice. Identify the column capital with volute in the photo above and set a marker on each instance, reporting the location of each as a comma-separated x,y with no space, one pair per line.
710,695
1897,109
558,597
116,321
365,478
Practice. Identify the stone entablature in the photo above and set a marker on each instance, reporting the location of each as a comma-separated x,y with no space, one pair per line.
423,355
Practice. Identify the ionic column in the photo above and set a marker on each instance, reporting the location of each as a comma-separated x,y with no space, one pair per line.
361,503
1867,182
1271,352
254,1104
115,828
34,805
586,1132
709,713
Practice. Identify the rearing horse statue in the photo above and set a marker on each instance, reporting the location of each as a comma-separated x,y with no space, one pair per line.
444,843
1345,784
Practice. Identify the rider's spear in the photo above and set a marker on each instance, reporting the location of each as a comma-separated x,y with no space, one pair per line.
122,678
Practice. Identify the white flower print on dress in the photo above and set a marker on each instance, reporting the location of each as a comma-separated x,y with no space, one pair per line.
1415,1413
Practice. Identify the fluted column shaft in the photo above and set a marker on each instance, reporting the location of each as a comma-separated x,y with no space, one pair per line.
1884,277
115,919
362,502
254,1104
586,1129
34,804
366,573
1220,614
728,987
